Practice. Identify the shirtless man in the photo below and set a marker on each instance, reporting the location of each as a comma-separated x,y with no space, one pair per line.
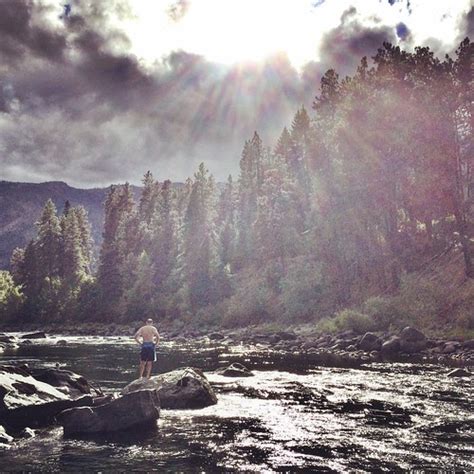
148,337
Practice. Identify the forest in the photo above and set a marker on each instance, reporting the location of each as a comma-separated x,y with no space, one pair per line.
333,224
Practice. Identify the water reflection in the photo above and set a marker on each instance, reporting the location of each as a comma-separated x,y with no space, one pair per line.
297,412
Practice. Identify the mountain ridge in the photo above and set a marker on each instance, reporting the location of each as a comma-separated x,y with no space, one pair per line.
21,204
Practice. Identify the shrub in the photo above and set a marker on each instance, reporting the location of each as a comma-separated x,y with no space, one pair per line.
354,320
251,303
384,313
303,292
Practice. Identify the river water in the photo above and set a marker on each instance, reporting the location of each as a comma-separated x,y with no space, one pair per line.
297,413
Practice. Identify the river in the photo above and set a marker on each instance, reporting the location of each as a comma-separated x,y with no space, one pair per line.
294,414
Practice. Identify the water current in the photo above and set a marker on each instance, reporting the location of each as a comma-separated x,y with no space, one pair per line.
295,414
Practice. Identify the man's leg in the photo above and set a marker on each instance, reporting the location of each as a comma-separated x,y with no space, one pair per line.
142,367
149,365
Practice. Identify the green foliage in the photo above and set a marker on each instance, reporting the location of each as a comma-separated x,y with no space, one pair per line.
11,297
385,312
355,320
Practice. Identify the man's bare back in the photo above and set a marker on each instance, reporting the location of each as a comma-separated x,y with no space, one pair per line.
148,333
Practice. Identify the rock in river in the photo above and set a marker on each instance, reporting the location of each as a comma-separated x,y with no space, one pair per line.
391,347
25,401
235,370
68,382
459,373
136,409
34,335
5,438
181,388
370,342
412,340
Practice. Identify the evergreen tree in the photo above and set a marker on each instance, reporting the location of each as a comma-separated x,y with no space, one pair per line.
198,240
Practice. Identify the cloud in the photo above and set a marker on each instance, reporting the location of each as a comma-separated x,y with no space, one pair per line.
344,46
177,10
77,104
469,24
21,33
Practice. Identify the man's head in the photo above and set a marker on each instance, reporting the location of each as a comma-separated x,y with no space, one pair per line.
149,321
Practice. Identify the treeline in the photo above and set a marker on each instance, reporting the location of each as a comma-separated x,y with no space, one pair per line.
345,206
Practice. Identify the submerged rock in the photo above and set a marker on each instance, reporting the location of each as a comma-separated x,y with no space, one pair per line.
459,373
25,401
135,409
27,433
4,338
235,370
181,388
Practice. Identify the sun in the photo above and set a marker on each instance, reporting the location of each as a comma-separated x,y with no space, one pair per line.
225,31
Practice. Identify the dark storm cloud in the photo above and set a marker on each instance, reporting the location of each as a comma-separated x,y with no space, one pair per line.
343,46
20,33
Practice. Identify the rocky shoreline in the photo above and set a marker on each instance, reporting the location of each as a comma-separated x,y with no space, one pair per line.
407,345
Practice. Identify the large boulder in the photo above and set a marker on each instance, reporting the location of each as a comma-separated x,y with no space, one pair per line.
135,409
235,370
66,381
412,340
370,342
25,401
469,345
391,346
181,388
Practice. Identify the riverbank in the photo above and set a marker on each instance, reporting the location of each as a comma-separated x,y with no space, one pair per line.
407,345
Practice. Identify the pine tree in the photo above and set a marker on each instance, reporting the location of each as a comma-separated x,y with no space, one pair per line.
198,240
48,243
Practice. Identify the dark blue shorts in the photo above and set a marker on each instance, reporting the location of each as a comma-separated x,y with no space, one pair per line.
147,353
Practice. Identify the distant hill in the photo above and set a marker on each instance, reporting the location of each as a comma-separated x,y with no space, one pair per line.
21,204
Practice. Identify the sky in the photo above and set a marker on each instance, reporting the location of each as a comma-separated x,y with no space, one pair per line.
94,92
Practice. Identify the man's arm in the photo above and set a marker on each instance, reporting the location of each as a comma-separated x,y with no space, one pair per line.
138,335
157,337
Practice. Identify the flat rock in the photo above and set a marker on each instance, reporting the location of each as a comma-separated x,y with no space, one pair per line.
181,388
75,384
235,370
135,409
